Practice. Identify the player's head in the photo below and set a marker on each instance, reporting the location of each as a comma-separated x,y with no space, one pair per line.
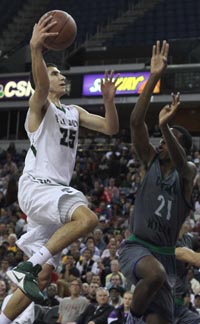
31,74
54,76
184,137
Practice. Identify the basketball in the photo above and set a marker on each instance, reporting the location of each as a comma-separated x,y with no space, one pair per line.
65,26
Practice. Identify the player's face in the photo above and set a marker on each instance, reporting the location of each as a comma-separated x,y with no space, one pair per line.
57,81
162,148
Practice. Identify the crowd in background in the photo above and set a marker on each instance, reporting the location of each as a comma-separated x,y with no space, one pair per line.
108,173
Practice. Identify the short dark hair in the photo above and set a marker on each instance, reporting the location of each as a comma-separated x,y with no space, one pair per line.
186,138
31,79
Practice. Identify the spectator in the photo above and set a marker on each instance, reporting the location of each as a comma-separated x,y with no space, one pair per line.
85,290
116,280
71,307
119,315
103,211
52,296
96,280
3,232
63,288
87,264
99,240
115,295
90,244
69,271
97,192
4,268
115,269
112,190
89,277
197,302
3,291
19,256
74,248
96,314
107,256
12,238
92,293
194,283
188,302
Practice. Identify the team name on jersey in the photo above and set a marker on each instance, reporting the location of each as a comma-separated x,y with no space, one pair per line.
68,122
169,188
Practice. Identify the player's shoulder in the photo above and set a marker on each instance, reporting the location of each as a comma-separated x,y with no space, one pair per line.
190,171
79,108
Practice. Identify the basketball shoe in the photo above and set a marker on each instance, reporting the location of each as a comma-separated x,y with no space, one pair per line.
25,276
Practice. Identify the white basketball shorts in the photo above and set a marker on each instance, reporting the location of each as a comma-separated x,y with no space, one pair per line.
43,202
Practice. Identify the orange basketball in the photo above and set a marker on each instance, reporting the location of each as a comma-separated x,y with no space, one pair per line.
65,26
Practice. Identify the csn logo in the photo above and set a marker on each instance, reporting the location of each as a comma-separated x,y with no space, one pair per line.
13,89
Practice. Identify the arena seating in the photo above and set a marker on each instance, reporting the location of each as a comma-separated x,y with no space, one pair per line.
166,20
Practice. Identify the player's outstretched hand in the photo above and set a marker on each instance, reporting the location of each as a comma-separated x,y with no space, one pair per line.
109,85
159,57
168,112
40,31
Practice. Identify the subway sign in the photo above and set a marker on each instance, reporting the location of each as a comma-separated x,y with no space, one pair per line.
132,83
15,88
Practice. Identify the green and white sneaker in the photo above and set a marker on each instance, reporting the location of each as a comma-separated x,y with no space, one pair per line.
25,276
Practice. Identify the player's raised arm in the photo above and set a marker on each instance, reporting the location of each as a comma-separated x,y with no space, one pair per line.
139,131
39,71
109,124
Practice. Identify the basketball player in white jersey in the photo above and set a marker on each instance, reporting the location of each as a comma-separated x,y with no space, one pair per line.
57,214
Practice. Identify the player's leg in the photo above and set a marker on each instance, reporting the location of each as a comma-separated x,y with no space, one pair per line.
60,223
78,223
19,301
151,276
83,221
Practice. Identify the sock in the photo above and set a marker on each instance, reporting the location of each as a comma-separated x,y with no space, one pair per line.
4,319
40,257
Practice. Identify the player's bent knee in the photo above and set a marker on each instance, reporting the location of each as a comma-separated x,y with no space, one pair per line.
158,277
90,220
86,217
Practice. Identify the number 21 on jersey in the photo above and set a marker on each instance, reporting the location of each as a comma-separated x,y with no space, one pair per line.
164,204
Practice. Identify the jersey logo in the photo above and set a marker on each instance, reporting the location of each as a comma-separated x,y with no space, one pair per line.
19,279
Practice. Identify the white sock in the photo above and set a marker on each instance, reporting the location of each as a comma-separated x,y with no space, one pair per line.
40,257
4,319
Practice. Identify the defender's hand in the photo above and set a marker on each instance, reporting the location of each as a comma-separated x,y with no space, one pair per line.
168,112
159,57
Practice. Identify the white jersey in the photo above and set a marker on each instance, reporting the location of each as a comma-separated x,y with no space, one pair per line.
53,145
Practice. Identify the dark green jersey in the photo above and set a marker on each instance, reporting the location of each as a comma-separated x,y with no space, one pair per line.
160,207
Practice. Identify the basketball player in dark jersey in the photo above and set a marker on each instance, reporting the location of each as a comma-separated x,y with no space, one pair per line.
162,203
187,254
